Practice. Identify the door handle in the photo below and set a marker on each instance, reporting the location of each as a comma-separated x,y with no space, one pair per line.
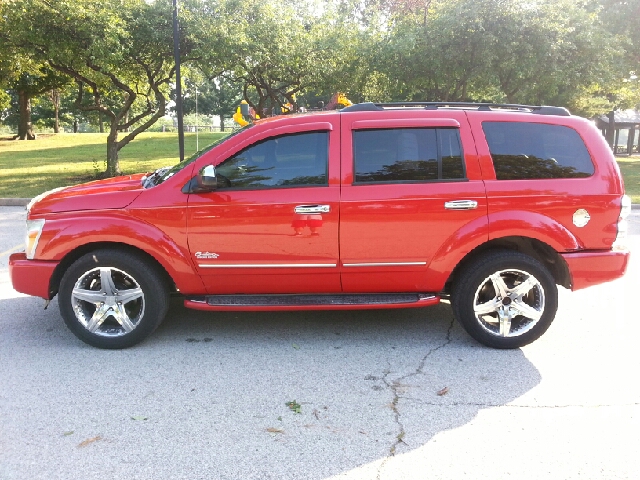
461,205
312,209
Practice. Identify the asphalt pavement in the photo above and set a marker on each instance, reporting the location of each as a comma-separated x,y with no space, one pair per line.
389,394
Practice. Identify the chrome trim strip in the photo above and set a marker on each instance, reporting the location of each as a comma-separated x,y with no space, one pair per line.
268,265
383,264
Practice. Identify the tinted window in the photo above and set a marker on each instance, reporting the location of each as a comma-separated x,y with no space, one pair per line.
535,150
407,154
289,160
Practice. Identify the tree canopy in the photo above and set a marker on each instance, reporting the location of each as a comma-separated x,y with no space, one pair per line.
118,54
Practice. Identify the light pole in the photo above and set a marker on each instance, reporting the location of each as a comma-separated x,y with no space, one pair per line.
176,55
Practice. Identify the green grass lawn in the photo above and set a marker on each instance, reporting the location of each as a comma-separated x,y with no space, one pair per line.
630,168
28,168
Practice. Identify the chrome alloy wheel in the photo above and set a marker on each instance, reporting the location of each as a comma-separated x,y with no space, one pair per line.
108,302
509,303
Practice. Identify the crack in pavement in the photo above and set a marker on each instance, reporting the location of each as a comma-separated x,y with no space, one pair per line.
396,387
491,405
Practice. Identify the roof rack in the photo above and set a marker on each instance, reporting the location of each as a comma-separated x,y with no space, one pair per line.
537,109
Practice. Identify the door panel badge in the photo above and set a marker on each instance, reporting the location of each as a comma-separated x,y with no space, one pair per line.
205,255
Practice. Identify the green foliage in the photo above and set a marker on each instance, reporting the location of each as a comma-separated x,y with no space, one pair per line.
514,51
219,97
118,51
275,49
119,54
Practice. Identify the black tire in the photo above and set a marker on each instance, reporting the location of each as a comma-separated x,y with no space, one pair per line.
526,312
113,298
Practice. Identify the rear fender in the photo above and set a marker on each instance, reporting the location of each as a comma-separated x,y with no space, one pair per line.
454,249
521,223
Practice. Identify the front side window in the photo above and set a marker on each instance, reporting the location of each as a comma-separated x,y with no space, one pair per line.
296,160
407,155
524,151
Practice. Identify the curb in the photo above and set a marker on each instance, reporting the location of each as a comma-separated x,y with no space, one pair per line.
22,202
14,202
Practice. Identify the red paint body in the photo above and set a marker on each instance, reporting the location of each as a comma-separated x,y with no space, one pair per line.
263,247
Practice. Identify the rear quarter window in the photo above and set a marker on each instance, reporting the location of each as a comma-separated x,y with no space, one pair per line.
523,151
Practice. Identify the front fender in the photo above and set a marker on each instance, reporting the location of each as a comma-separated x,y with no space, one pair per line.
64,234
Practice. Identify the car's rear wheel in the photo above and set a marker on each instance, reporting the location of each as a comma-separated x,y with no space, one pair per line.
505,299
112,299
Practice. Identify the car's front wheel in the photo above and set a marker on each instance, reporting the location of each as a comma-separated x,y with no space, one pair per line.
505,299
112,299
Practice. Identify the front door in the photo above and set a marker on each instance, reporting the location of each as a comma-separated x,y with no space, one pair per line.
272,224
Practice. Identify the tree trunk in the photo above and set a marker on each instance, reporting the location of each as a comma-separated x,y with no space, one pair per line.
25,129
55,99
222,123
101,125
113,165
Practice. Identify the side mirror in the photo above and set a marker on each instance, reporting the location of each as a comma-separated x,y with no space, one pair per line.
206,180
208,177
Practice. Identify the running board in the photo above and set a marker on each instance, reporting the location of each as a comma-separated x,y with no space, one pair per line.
311,302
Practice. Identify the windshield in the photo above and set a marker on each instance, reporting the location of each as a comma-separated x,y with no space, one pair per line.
166,173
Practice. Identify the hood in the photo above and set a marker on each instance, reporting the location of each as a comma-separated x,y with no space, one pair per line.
112,193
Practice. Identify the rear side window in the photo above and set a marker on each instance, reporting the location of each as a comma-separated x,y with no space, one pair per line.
407,155
522,151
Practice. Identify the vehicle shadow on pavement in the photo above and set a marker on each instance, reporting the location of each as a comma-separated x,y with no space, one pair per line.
254,395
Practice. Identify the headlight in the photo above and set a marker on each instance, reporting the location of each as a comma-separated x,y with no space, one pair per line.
34,230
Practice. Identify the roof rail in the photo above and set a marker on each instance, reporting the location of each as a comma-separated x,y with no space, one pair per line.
537,109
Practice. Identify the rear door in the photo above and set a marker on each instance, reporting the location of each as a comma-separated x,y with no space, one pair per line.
410,187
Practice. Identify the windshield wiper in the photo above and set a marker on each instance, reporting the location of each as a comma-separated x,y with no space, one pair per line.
151,180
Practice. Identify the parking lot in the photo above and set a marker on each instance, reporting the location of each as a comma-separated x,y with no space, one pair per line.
389,394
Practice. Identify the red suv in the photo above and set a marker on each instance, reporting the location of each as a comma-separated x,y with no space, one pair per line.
374,206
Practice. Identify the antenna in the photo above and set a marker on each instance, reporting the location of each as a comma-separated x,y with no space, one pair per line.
197,129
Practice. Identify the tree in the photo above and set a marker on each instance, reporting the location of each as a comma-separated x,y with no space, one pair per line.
118,51
275,49
28,78
544,51
28,86
215,97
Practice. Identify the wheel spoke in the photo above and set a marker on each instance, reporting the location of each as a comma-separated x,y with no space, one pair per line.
499,285
488,307
505,321
122,318
126,296
106,281
525,287
525,310
99,316
90,296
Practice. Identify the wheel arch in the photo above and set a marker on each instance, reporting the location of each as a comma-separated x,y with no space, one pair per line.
535,248
73,255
